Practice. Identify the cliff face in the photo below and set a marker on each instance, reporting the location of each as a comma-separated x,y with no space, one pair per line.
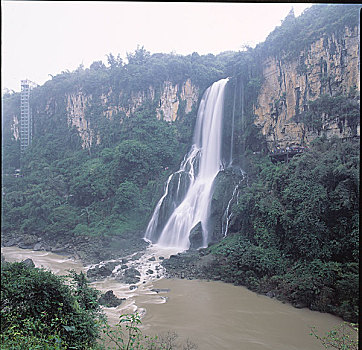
330,66
76,105
172,101
171,97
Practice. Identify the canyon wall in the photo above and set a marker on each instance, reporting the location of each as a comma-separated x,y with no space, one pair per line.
171,101
330,66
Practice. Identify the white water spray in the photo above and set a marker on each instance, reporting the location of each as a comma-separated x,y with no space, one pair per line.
201,164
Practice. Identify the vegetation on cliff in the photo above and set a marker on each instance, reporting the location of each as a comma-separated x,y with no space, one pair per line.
316,22
294,233
110,187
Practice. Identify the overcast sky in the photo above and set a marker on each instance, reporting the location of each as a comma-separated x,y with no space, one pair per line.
47,37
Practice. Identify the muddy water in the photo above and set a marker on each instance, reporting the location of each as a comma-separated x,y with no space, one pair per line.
58,264
217,315
214,315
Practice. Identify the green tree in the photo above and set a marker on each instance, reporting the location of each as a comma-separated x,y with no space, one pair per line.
42,309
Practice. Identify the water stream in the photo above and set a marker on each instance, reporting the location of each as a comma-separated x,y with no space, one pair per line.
201,165
213,315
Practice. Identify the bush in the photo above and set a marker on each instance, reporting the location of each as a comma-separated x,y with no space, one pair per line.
39,310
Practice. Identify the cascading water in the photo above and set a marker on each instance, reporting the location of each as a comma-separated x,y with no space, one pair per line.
201,165
228,212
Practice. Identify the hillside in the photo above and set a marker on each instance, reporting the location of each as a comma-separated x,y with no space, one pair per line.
107,137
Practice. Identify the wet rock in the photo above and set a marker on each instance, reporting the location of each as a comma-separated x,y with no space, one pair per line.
108,299
28,241
196,237
137,256
300,305
149,272
28,263
11,242
111,265
132,272
130,276
61,249
160,290
270,294
223,187
101,271
152,259
38,246
161,257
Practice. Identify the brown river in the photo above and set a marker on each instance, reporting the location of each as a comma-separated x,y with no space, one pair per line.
213,315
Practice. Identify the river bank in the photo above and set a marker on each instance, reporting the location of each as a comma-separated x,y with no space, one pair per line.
214,315
88,249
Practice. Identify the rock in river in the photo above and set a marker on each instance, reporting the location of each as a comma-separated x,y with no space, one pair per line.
108,299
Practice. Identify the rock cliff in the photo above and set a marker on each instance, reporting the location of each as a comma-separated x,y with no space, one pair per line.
76,106
330,66
171,101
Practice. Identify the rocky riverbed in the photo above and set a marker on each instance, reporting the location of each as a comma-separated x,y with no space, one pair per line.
214,315
90,250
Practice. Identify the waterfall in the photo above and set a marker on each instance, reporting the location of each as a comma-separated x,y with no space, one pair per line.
232,128
228,213
201,166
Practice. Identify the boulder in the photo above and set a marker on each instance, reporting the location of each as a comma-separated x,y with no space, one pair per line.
196,237
300,305
108,299
28,263
61,249
103,271
28,241
152,259
11,242
130,276
160,290
38,246
137,256
270,294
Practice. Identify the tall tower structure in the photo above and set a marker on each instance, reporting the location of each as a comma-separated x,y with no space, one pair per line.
26,122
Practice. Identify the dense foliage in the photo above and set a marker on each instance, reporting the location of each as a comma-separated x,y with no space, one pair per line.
40,311
343,337
111,186
316,22
297,229
67,191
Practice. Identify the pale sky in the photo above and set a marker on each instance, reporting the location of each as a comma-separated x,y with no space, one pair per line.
46,37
